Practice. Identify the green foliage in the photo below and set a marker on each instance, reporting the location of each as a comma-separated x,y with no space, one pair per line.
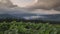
28,28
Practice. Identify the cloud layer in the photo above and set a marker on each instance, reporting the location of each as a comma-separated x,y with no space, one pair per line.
45,4
6,4
35,8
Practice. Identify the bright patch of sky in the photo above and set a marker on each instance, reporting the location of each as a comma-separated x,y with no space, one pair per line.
22,3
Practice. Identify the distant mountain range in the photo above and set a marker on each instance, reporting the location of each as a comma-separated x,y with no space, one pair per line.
54,17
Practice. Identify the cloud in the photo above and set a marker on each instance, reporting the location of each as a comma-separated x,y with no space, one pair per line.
25,10
45,4
22,3
6,4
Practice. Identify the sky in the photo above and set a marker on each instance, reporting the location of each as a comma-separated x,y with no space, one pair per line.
22,3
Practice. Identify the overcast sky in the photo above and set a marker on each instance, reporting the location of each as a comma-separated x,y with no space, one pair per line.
23,3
